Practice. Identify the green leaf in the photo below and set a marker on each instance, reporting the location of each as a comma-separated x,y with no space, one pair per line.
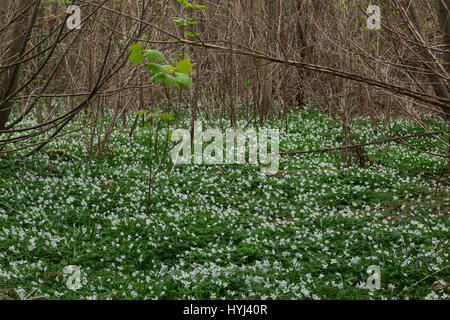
141,112
182,79
169,68
184,66
156,68
192,34
167,79
136,54
179,21
154,55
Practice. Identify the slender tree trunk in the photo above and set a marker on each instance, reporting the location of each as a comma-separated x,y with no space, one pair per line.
3,9
443,7
282,35
439,86
10,77
263,68
306,41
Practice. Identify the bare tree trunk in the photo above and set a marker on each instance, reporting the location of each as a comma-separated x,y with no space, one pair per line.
443,7
439,86
263,68
3,6
300,98
19,38
282,35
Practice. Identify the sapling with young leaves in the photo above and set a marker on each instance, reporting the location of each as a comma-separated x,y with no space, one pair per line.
171,76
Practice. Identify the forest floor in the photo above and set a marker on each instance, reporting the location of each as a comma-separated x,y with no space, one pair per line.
227,231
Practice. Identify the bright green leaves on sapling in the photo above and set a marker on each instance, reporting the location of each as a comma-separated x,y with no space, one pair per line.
154,55
167,74
156,113
136,54
184,66
163,77
162,73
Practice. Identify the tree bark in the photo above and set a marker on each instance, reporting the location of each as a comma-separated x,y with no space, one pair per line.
19,38
300,98
443,7
264,74
3,10
439,86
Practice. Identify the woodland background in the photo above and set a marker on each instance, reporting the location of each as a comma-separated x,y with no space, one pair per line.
253,59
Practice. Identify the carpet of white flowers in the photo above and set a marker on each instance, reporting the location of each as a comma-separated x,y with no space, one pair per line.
227,232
